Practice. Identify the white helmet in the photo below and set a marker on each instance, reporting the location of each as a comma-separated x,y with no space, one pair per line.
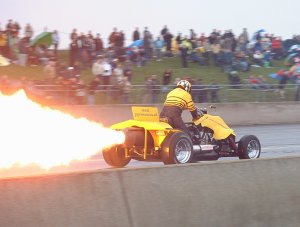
185,85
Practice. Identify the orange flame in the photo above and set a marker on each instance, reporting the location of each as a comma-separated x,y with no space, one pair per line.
32,134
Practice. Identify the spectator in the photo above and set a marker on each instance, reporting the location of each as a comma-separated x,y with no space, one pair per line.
97,67
116,82
148,45
263,84
179,38
215,51
234,79
253,82
113,37
92,88
127,70
240,62
164,32
185,49
277,48
268,58
126,86
297,96
136,34
98,44
206,51
258,58
14,46
9,27
282,83
168,42
167,76
107,72
80,92
28,32
74,52
74,35
158,45
55,41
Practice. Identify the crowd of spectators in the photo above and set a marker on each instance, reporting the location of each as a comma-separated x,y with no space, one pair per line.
112,65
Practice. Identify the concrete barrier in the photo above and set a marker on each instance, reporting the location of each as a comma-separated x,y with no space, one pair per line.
232,113
263,192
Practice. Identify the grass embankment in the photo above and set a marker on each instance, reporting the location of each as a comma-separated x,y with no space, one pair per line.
208,74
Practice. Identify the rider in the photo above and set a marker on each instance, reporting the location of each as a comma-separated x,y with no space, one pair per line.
178,100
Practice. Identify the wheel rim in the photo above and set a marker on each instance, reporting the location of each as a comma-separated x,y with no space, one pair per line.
183,151
253,149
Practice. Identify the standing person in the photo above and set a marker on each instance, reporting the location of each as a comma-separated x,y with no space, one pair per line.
168,42
55,41
74,52
185,47
177,100
136,34
164,31
158,45
98,44
178,38
97,67
28,32
215,52
113,37
148,42
74,35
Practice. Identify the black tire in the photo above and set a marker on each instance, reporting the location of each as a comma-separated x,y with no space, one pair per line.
177,148
249,147
115,156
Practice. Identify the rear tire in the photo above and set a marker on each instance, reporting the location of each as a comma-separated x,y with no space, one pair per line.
249,147
115,156
177,148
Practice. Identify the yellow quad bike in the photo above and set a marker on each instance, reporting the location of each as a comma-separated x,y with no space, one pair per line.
148,138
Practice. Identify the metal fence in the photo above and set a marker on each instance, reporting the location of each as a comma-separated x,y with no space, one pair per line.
139,94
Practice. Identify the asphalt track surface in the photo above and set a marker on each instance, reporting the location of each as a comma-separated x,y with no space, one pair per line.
276,141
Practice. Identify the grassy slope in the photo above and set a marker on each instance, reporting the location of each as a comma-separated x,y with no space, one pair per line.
206,73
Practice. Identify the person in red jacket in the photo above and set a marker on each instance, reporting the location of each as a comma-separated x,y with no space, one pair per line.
277,48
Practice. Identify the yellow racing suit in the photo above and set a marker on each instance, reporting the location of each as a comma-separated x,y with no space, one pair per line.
178,100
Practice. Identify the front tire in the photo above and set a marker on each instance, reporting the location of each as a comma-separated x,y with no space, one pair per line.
249,147
177,149
115,156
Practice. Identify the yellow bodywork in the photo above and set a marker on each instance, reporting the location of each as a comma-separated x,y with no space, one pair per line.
148,119
217,124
